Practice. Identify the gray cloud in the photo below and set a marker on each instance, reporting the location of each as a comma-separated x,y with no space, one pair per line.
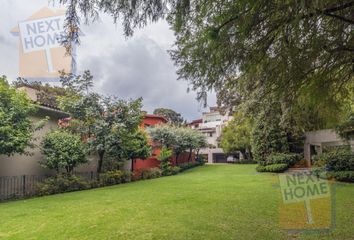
128,68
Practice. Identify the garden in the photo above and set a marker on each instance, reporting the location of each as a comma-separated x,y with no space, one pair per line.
208,202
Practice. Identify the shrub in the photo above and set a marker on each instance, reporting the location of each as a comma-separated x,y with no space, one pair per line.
63,150
164,158
186,166
175,170
276,168
127,176
319,172
111,177
343,176
283,158
336,159
60,184
115,177
150,173
201,160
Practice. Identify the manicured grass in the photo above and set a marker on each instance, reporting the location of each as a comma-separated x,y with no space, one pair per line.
209,202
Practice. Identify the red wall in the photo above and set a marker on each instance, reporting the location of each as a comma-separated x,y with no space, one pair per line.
152,162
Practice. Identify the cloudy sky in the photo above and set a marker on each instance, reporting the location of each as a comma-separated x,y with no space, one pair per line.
129,68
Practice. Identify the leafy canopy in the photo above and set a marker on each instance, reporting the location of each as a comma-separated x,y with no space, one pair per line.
236,135
248,51
63,150
173,117
15,125
109,125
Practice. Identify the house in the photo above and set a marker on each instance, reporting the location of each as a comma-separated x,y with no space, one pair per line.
29,164
150,120
316,141
211,125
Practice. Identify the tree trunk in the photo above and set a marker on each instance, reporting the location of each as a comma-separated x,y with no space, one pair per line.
132,165
100,162
244,156
190,155
177,155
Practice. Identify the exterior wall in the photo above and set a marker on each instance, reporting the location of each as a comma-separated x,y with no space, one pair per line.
30,92
211,125
320,139
152,162
17,165
29,165
210,153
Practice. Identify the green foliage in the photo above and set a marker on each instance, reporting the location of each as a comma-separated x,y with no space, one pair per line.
343,176
346,128
173,117
77,84
336,159
133,145
60,184
179,139
150,173
15,126
267,135
110,126
164,158
298,52
236,136
115,177
276,168
47,95
286,158
289,49
186,166
63,150
175,170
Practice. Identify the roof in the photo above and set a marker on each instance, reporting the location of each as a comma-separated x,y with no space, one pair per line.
155,116
45,104
197,121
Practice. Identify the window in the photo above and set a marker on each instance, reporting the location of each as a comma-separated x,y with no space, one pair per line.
210,134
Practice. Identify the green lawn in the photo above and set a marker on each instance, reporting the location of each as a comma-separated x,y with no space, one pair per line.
210,202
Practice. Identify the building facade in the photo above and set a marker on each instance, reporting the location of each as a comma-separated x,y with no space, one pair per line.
211,124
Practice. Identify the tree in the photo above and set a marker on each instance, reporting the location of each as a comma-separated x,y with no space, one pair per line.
107,124
164,158
179,139
63,150
248,50
15,125
163,135
236,136
173,117
267,135
135,146
201,142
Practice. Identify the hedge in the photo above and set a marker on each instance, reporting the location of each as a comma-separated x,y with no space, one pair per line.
276,168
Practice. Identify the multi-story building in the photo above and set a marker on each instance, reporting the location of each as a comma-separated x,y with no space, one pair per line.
211,125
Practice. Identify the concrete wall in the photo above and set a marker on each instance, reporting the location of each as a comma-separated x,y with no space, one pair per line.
320,139
210,153
17,165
